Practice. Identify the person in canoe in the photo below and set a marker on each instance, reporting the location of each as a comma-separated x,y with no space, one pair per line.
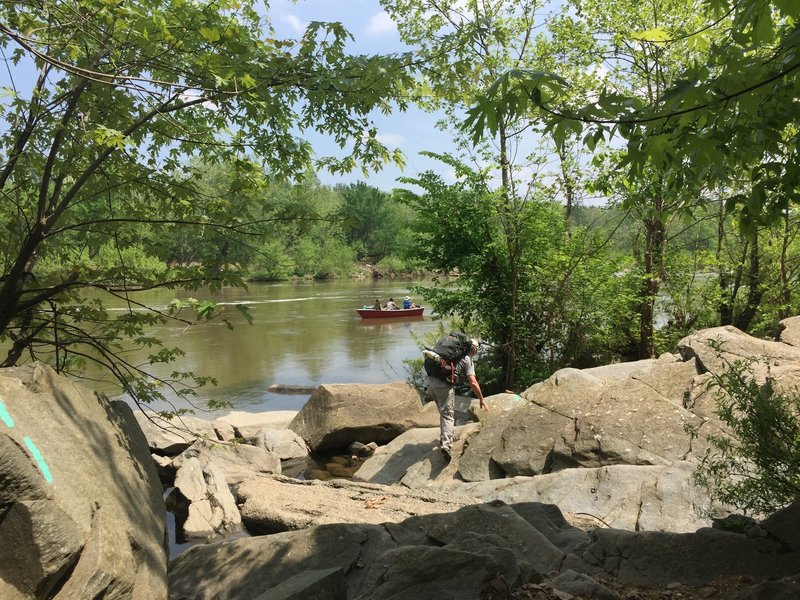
377,305
407,303
390,305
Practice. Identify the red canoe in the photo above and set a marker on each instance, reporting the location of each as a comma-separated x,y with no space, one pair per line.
371,313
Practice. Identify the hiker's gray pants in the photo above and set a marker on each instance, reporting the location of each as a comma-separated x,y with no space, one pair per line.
445,397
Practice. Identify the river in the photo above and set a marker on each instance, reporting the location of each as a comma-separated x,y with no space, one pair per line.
303,333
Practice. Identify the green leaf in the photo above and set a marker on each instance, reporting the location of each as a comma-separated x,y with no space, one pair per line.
789,8
764,29
210,33
652,35
244,310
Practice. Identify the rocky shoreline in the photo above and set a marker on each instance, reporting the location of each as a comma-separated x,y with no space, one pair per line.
579,487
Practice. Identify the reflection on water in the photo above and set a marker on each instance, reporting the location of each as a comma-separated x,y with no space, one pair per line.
389,323
304,333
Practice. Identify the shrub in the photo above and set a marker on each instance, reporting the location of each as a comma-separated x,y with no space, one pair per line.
757,469
273,263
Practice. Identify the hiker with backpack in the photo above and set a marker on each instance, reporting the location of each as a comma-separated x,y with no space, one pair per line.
447,364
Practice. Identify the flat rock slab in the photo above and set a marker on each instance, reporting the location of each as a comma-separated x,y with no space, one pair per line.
173,436
274,504
636,498
246,425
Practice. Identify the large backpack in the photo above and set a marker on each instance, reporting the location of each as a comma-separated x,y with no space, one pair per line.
441,360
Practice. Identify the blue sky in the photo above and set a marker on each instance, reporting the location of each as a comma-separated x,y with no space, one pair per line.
374,32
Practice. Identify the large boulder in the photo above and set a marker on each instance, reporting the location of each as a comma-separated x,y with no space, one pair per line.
790,331
236,461
283,443
81,504
717,348
337,415
212,510
390,463
516,441
630,413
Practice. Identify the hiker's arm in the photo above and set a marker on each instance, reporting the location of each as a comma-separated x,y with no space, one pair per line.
476,387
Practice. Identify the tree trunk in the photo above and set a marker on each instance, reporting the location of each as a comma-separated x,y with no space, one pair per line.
725,308
786,291
509,376
655,238
569,189
754,288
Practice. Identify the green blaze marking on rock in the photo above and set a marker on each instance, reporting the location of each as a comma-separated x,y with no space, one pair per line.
37,456
5,416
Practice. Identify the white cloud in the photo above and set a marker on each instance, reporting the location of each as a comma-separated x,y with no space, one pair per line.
600,71
189,95
297,25
391,139
381,23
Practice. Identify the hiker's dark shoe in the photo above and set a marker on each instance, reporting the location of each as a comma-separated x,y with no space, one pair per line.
446,452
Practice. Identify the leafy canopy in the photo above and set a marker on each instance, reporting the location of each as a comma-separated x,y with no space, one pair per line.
95,154
731,106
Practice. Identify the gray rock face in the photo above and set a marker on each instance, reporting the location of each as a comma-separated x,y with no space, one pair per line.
636,498
284,443
651,559
432,573
736,345
337,415
173,436
246,568
414,459
624,414
276,504
518,441
390,463
790,331
236,461
325,584
495,519
784,526
484,551
212,509
82,511
246,425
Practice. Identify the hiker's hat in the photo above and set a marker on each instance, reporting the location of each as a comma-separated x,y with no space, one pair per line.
474,343
406,298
